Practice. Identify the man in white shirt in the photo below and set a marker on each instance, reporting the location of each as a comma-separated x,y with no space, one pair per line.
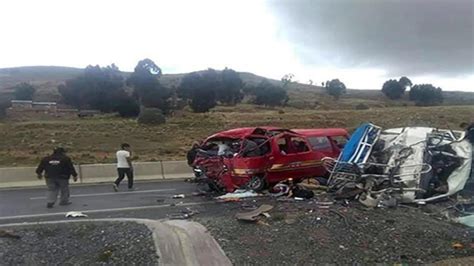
124,167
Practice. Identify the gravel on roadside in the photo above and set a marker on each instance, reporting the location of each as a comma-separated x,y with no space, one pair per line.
78,243
304,233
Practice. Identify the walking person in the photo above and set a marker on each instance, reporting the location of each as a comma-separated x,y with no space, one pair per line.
58,168
124,167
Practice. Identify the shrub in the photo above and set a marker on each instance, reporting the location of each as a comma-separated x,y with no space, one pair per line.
4,105
270,95
203,99
362,106
335,88
151,116
426,95
127,107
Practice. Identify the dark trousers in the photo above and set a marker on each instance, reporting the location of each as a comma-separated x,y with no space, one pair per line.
121,175
56,185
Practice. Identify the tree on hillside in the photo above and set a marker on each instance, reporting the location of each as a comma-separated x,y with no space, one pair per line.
270,95
230,90
148,90
426,95
95,88
211,79
105,86
200,90
393,89
145,74
147,67
72,92
187,85
100,88
203,89
287,79
335,88
405,82
24,91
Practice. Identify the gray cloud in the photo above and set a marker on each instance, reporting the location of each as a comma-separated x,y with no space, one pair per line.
404,37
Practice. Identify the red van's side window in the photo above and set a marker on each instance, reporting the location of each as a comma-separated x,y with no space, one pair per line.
320,143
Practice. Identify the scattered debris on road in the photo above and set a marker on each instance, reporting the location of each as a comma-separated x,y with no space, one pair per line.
75,215
252,216
238,194
9,234
184,214
457,245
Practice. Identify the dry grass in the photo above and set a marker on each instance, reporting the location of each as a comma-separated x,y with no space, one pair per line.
96,139
91,140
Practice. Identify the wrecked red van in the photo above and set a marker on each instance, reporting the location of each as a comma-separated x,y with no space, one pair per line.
255,157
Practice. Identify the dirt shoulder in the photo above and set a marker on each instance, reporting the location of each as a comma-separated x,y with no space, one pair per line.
305,233
79,243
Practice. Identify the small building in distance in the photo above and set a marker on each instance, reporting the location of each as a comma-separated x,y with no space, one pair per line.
24,110
20,105
45,106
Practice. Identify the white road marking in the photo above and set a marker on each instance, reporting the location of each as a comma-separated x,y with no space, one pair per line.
104,210
78,184
112,193
137,220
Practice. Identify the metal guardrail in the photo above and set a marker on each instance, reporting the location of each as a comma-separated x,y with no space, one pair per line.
96,173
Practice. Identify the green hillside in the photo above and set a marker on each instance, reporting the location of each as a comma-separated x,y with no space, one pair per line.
47,78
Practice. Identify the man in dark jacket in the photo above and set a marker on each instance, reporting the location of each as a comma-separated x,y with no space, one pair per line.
58,169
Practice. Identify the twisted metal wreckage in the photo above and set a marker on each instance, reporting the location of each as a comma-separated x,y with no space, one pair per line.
379,168
257,157
400,165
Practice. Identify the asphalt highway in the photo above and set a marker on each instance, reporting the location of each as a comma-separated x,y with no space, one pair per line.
153,200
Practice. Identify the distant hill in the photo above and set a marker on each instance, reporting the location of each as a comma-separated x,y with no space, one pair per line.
47,79
36,74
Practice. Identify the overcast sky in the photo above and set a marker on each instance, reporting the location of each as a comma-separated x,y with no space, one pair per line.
361,42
